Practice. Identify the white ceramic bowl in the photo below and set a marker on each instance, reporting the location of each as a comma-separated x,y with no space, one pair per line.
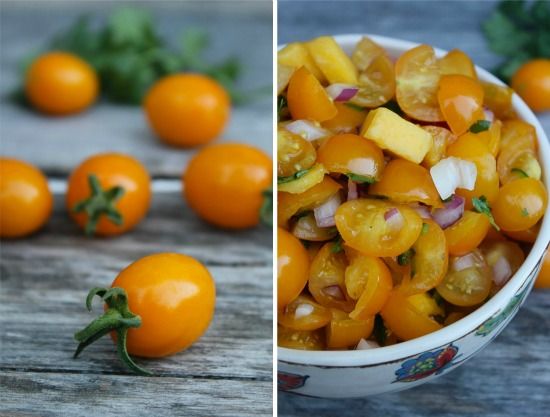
340,374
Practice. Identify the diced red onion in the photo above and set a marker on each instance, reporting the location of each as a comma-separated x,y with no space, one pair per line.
452,173
394,219
342,92
464,262
324,214
306,129
303,310
353,194
451,213
366,344
502,271
488,114
334,291
362,166
423,211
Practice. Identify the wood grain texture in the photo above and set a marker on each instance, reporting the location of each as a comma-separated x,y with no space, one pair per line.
512,375
24,28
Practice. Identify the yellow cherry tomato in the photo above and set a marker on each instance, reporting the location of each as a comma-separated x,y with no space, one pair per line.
532,82
292,268
344,332
467,233
543,279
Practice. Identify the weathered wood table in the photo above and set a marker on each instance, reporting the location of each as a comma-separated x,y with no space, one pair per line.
45,278
512,376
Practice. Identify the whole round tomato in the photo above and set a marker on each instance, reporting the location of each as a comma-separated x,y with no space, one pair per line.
187,109
174,295
25,199
225,184
60,83
520,204
532,82
108,194
543,279
292,268
467,233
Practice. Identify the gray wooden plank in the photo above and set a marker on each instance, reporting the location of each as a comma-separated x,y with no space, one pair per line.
44,141
512,375
66,395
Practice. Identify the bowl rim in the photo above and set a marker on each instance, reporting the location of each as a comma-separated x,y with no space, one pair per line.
469,323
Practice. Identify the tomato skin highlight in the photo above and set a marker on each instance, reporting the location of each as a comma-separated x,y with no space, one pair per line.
25,199
174,295
223,184
187,109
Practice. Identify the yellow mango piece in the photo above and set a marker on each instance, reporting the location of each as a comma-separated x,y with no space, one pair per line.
296,55
399,136
332,61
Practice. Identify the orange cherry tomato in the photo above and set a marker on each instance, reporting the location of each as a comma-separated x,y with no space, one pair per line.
467,233
352,154
518,151
532,82
25,199
468,281
306,228
108,194
344,332
442,138
430,259
292,268
406,182
457,62
327,279
60,83
300,339
348,119
290,204
187,109
303,313
307,99
228,191
376,83
294,153
417,76
363,226
520,204
498,98
174,295
543,279
471,148
491,137
528,235
369,281
461,101
404,319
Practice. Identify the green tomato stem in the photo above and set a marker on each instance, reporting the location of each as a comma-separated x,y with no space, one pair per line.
117,318
266,210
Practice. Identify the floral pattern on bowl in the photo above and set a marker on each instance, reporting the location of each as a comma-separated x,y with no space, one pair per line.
426,364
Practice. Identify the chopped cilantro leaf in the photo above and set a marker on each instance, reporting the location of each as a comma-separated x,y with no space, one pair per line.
482,206
524,212
337,245
299,174
480,126
361,178
520,172
425,228
406,257
282,106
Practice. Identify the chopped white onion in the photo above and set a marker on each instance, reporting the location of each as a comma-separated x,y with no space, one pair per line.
306,129
488,114
334,291
342,92
324,214
394,219
303,310
353,194
451,213
362,166
452,173
423,211
502,271
366,344
464,262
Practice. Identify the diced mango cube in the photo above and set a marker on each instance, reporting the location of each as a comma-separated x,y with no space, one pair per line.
296,55
399,136
332,61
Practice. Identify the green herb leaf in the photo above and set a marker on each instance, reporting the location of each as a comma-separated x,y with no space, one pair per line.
362,179
425,228
299,174
520,172
480,126
282,107
380,333
524,212
406,257
482,206
337,245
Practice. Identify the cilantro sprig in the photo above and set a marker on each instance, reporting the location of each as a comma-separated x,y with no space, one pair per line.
481,205
297,175
362,179
129,55
518,31
406,257
480,126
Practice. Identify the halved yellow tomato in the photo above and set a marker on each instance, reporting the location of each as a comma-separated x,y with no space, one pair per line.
344,332
303,313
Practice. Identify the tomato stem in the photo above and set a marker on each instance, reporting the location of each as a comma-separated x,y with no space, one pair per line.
266,210
117,318
101,202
